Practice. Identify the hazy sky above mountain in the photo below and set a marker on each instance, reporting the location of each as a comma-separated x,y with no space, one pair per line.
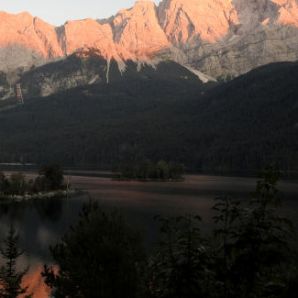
58,11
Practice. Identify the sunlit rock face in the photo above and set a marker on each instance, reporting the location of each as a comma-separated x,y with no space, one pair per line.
288,12
26,41
133,34
221,38
30,32
262,31
137,32
188,22
88,33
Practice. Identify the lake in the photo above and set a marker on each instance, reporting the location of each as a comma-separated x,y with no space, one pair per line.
42,223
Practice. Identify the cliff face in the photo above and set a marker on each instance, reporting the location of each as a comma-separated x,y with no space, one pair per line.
266,32
88,33
26,41
225,38
137,32
187,23
219,37
23,30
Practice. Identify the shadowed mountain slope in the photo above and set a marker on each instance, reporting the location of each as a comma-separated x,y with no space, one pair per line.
240,125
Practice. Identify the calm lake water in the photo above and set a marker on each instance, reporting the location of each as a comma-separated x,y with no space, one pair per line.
42,223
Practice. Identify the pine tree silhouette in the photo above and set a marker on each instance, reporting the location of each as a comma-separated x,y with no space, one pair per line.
10,278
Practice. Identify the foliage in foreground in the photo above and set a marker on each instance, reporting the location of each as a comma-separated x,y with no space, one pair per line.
10,277
181,266
248,256
99,257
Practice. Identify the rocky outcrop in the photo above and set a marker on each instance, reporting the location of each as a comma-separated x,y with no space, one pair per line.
87,68
137,32
241,54
63,75
226,38
88,33
188,23
26,41
287,12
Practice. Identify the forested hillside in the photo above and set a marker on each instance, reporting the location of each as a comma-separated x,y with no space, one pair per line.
240,125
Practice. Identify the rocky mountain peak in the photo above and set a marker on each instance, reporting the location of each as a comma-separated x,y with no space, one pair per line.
191,21
88,33
26,41
137,32
218,37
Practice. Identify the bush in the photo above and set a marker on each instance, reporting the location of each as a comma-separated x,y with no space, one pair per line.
181,266
50,178
14,185
99,257
10,277
17,184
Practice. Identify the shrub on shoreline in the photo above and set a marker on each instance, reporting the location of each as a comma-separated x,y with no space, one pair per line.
50,179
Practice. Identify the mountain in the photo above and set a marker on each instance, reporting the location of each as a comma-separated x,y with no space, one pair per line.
189,23
137,32
241,125
90,113
221,38
227,38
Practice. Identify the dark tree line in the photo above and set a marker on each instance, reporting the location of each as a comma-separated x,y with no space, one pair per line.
237,126
148,170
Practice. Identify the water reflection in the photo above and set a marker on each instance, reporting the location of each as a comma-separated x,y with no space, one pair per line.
39,223
36,287
49,209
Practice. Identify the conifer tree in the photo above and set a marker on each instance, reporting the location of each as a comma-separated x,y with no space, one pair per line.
10,278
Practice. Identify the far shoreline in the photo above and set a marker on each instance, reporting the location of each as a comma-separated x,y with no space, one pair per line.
96,173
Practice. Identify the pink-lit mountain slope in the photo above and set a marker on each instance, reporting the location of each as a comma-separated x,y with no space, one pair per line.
220,38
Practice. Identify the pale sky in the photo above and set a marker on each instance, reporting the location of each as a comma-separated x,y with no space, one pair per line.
57,12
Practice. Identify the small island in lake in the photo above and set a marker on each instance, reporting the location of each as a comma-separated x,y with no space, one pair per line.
150,171
49,183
